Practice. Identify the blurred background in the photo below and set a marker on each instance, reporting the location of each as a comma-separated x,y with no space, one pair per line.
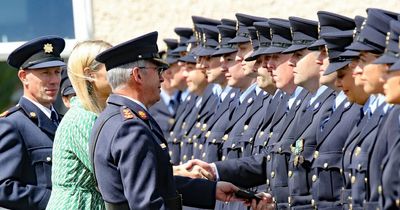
116,21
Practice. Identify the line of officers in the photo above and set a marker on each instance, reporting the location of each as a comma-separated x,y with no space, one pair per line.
304,110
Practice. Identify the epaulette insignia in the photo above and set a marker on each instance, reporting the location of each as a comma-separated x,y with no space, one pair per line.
142,115
128,114
10,111
4,114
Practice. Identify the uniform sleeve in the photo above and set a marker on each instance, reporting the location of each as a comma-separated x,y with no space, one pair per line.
13,193
135,155
243,172
190,189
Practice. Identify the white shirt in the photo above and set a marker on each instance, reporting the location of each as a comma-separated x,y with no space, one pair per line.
317,94
339,99
225,92
294,96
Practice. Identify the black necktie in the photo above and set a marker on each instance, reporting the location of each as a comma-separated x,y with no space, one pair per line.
54,118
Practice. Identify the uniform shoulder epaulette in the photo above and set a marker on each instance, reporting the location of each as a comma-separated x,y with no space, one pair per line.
127,114
143,115
10,111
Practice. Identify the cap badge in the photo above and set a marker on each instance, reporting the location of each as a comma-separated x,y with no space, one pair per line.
48,48
142,115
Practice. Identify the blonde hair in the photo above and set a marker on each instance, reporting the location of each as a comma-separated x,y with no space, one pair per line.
82,57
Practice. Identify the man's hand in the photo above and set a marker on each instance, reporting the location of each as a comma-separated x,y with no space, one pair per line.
192,172
226,192
265,203
206,168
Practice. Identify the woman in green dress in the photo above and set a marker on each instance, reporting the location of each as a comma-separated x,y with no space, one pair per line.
72,174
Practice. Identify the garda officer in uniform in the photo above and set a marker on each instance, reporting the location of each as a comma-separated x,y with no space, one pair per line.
385,169
27,130
302,138
264,81
370,43
253,118
212,145
389,187
333,129
198,85
215,76
127,147
178,81
164,110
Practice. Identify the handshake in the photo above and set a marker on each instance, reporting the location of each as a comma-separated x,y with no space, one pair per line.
225,191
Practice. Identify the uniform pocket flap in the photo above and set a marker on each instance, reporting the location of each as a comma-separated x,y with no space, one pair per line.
328,160
42,154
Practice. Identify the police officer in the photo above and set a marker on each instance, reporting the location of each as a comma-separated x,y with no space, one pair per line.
127,147
370,43
27,130
164,110
302,139
389,186
334,127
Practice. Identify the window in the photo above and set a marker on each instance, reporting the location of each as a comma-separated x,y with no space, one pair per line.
23,20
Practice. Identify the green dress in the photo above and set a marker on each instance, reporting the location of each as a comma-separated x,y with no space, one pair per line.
72,173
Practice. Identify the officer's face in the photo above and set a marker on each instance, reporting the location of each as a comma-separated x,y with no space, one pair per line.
392,86
235,73
371,73
264,78
282,72
245,50
346,81
196,78
41,85
178,81
212,66
152,84
305,69
323,62
168,74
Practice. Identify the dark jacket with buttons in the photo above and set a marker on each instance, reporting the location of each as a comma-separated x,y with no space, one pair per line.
132,164
26,141
327,181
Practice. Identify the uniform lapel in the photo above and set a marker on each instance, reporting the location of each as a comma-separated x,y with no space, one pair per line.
223,107
335,118
292,112
308,116
241,110
260,100
38,117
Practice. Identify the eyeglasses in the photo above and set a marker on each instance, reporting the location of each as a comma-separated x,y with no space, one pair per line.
159,69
